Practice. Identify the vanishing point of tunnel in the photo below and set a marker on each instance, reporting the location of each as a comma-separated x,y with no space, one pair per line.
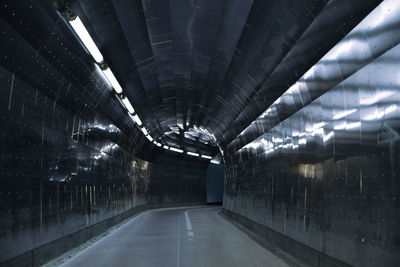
197,133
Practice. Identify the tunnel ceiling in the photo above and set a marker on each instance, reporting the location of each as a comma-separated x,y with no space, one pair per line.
197,72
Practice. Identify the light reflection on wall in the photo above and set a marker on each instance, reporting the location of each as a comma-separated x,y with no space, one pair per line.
106,150
325,172
312,171
140,164
111,128
377,33
194,133
346,113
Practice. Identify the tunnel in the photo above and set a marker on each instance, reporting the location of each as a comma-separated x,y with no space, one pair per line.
200,133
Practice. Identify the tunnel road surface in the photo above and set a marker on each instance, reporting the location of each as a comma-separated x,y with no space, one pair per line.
177,237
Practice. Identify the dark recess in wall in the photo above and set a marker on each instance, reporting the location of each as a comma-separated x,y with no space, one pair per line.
215,183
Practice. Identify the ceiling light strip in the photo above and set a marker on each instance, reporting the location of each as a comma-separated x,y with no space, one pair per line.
111,78
145,132
127,104
85,37
87,40
176,149
136,119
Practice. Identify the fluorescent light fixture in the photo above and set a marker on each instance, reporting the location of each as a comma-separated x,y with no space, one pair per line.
206,157
86,39
127,104
154,142
166,147
111,78
144,131
137,119
344,114
176,149
215,161
158,144
192,154
149,137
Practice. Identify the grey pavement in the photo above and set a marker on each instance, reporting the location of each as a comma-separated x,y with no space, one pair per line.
177,238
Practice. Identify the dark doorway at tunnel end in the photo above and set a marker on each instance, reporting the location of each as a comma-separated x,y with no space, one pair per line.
215,183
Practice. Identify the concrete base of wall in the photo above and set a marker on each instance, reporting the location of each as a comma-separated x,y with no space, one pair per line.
47,252
268,237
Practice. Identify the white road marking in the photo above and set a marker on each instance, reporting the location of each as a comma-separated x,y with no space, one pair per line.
189,226
179,241
188,223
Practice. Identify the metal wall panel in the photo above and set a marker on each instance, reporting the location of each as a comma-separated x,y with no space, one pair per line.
61,171
329,175
66,144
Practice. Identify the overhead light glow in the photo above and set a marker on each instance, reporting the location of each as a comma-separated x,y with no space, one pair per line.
111,79
340,126
379,96
144,131
215,161
86,39
193,154
158,144
344,114
166,147
380,114
353,125
137,119
206,157
127,104
149,137
328,136
319,125
302,141
176,149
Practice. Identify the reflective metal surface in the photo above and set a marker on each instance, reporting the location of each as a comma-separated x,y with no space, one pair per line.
69,154
272,56
328,176
300,99
62,170
377,33
205,65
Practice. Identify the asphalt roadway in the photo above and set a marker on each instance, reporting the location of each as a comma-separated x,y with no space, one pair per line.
177,237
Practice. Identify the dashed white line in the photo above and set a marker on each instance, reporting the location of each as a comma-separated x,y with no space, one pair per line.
189,226
188,223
